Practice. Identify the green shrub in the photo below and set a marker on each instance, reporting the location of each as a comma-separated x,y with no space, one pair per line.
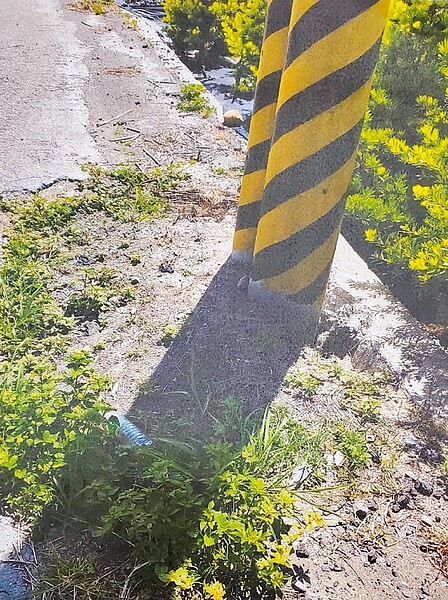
400,187
242,23
46,421
207,514
194,29
207,29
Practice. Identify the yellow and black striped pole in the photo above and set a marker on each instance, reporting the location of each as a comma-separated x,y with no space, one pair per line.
324,88
272,59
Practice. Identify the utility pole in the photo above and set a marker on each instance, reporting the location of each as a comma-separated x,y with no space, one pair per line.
314,81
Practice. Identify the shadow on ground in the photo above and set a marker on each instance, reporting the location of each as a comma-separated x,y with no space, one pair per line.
227,347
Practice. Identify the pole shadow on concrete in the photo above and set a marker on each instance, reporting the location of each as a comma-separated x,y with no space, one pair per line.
229,346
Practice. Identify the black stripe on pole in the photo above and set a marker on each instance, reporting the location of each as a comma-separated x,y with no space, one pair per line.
267,90
279,14
310,171
278,258
248,215
326,93
257,157
320,20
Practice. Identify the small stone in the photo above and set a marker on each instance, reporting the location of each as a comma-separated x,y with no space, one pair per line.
301,473
361,509
135,281
372,556
233,118
82,260
337,567
325,568
243,283
413,442
425,590
437,494
299,585
423,548
371,505
424,487
166,268
405,593
426,520
92,327
302,551
338,458
145,46
400,503
394,573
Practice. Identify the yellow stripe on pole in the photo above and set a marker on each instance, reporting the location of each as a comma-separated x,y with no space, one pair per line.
252,187
272,56
331,53
297,213
320,131
262,126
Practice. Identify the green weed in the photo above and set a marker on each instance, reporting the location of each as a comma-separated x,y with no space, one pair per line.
98,7
47,419
193,99
100,291
135,259
170,333
306,383
352,444
77,577
203,511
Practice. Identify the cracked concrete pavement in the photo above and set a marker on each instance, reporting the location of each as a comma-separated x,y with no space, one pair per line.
43,113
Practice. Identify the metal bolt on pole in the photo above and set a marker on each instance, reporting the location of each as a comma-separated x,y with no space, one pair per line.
332,49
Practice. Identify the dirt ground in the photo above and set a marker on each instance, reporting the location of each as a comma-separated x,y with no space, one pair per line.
222,344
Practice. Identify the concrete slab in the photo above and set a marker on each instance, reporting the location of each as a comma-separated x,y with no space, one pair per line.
43,114
384,329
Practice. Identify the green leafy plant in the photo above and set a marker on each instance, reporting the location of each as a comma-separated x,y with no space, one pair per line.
169,334
100,290
45,418
193,99
399,191
194,30
206,512
352,444
306,383
242,23
98,7
129,193
135,259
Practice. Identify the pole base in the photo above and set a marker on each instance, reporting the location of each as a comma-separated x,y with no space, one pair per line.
303,318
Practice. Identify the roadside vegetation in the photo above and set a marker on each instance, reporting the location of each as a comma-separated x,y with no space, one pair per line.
205,512
193,99
400,188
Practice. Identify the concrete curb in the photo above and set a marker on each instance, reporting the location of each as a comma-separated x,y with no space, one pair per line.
380,330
